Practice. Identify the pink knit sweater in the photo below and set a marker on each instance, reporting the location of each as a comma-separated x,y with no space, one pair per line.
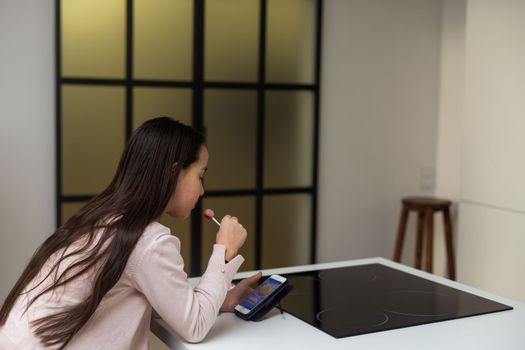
153,278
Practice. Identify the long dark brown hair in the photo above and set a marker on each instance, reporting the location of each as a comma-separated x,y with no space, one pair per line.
138,194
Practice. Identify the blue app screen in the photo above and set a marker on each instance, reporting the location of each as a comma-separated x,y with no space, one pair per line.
262,291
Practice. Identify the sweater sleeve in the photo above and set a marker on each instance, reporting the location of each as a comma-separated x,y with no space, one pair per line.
191,312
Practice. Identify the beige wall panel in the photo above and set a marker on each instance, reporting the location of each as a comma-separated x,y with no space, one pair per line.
492,210
493,170
490,250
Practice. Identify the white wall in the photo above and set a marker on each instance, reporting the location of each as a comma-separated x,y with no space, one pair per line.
26,133
379,103
492,210
451,96
449,130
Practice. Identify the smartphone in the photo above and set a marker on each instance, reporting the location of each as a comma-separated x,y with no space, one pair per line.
256,299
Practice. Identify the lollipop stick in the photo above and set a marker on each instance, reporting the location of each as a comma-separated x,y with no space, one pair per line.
215,220
209,214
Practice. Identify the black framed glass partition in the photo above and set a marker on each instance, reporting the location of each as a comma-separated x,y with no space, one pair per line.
245,72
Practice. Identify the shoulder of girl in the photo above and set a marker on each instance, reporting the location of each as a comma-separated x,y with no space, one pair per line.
153,232
156,229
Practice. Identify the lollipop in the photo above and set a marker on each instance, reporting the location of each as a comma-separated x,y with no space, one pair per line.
209,214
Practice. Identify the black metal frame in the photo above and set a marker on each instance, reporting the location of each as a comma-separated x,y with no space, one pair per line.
198,85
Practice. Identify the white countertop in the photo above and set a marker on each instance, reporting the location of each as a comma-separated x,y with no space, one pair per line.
500,330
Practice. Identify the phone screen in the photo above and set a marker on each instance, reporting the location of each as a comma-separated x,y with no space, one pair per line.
266,288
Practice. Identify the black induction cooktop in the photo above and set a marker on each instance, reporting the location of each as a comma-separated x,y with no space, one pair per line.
370,298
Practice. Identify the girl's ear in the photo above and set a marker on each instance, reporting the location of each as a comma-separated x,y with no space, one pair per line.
174,167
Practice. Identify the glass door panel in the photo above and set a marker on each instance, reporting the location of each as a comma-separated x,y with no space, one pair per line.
286,235
93,137
93,38
163,39
150,102
230,124
290,48
288,144
231,40
68,209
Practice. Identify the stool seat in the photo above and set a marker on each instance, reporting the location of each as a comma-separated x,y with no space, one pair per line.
425,207
422,203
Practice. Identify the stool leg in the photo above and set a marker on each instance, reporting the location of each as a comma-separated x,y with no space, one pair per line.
429,239
400,234
419,239
448,241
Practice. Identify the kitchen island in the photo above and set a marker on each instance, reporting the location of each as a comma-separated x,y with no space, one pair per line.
499,330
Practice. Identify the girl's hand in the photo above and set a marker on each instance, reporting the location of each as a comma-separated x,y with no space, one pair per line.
235,295
232,235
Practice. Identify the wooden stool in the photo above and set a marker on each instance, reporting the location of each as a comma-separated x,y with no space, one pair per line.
425,207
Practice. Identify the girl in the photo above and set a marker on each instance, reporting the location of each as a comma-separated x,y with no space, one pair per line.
94,283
